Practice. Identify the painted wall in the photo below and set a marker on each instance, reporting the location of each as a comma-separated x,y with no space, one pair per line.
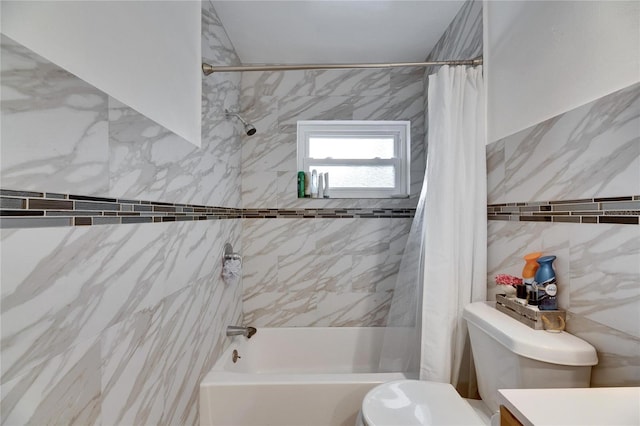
589,156
144,53
324,271
113,324
548,57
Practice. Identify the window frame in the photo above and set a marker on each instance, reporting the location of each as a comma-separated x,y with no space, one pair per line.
399,130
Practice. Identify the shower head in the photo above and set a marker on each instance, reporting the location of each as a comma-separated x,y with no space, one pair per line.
249,128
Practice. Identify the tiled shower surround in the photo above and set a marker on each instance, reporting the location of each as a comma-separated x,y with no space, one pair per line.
328,272
587,161
322,272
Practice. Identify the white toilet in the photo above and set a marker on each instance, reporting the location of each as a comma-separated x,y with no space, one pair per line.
507,355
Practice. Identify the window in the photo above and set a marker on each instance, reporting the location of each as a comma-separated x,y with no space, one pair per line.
364,159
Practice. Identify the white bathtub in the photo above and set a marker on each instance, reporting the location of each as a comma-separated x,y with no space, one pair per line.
294,376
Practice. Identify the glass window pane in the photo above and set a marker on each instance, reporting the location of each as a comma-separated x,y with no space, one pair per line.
359,176
357,148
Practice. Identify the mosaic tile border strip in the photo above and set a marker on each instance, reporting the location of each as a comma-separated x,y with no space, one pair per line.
621,210
331,213
30,209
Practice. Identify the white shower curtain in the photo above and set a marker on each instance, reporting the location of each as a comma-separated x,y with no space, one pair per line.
455,220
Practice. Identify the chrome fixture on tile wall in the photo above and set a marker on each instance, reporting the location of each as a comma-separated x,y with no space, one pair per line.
249,128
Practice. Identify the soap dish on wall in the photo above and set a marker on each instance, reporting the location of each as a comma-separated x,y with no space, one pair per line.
229,254
231,265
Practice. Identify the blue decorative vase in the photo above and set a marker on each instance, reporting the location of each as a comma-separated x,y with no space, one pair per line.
545,284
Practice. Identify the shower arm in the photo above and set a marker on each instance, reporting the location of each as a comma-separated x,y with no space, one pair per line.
209,69
237,115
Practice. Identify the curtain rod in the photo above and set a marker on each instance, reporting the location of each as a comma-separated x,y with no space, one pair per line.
209,69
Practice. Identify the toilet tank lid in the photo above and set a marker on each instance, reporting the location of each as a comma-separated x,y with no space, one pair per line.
555,348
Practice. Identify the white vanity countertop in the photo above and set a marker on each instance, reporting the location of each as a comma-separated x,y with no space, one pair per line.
590,406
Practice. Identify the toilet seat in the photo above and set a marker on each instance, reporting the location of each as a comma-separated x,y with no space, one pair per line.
416,403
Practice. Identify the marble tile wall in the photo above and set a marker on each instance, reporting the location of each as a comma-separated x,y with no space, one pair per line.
321,272
135,312
324,272
113,324
463,37
589,152
461,40
592,151
38,153
275,101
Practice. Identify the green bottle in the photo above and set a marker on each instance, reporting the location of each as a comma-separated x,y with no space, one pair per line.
300,184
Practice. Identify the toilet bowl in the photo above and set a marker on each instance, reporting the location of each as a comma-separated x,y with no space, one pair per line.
415,402
507,355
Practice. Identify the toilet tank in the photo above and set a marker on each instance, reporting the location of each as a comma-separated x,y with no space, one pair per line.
510,355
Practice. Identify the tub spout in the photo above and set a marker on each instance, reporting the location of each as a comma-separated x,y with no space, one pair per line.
234,330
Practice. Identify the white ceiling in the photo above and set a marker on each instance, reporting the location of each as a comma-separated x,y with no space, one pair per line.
337,31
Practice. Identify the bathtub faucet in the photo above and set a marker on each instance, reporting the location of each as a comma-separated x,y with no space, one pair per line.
234,330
